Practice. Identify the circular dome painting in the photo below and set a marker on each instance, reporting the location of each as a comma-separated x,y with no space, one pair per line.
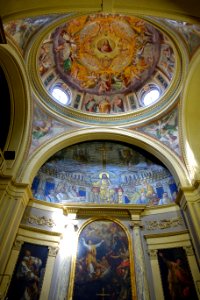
106,63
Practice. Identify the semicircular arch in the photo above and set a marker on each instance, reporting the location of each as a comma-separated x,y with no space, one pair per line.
19,91
165,155
191,118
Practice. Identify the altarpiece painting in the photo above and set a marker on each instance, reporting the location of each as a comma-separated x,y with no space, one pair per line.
104,265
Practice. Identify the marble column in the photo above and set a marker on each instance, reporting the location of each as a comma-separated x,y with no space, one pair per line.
6,277
48,272
140,269
157,283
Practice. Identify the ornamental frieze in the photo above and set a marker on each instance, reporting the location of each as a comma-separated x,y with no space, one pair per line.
41,221
163,224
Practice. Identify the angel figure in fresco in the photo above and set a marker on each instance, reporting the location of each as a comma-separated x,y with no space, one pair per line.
45,60
90,258
66,49
41,128
104,83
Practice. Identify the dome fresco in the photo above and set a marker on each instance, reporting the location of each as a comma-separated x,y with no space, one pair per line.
106,63
103,172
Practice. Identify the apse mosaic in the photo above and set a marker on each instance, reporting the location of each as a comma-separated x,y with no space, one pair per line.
104,172
106,63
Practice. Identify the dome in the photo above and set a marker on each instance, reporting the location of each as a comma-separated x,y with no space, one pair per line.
105,66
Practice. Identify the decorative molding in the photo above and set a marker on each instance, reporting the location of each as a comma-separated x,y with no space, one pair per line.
70,210
17,244
189,250
165,234
39,230
163,224
195,185
37,220
53,251
123,211
153,253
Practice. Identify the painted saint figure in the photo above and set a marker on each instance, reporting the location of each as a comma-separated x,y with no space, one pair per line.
90,259
29,276
179,281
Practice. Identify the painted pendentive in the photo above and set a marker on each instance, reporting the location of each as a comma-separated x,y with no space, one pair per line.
21,30
165,130
45,127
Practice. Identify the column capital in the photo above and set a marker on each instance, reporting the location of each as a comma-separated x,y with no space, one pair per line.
153,253
189,250
17,244
53,250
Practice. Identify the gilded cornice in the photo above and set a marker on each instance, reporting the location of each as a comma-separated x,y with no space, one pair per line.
120,211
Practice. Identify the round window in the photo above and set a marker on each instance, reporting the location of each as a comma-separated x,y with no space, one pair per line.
60,95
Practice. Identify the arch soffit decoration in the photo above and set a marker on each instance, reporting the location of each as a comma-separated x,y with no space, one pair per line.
191,118
167,9
14,69
171,160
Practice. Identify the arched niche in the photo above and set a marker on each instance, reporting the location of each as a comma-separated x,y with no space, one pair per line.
191,118
100,242
14,69
166,156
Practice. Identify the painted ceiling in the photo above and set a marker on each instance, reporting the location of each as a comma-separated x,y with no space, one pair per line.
106,63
